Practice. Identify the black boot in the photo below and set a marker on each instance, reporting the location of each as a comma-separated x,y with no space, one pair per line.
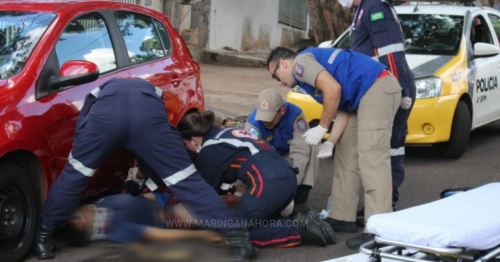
300,200
241,247
44,245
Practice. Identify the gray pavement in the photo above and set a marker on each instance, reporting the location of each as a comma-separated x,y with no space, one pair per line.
231,91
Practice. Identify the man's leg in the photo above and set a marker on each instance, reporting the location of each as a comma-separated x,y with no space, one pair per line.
346,180
305,178
398,138
96,138
275,233
375,117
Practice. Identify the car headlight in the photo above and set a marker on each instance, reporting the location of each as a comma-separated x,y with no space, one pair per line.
298,89
429,87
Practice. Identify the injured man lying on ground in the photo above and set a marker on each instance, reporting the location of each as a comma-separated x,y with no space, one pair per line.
124,218
462,227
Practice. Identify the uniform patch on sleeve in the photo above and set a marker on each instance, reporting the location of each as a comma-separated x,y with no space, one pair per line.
254,131
376,16
244,134
299,70
302,125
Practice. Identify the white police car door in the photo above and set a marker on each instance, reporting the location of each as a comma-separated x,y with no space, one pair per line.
485,88
494,22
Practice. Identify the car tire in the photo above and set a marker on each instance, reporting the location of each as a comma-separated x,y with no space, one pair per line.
460,132
18,213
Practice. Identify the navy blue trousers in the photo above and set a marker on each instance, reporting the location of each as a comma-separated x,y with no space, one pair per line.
398,138
261,207
129,114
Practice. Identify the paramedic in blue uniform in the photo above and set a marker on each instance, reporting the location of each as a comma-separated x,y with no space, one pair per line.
227,155
130,113
377,33
283,125
365,96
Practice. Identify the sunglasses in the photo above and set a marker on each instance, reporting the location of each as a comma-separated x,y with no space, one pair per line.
274,76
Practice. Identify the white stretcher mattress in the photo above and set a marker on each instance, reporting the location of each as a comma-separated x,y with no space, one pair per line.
469,220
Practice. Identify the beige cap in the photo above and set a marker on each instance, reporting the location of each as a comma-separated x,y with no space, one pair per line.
268,104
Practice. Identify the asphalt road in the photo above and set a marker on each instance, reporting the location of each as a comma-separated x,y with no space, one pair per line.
427,176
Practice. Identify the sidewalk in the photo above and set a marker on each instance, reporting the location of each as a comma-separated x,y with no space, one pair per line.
232,91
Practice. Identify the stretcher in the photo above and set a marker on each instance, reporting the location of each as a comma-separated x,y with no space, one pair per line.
462,227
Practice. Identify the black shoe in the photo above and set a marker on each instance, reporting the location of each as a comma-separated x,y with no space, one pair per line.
326,229
309,231
241,247
341,226
44,245
356,242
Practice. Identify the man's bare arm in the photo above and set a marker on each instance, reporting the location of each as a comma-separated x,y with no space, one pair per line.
331,96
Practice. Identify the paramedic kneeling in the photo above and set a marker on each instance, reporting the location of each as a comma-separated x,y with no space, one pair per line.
283,125
228,155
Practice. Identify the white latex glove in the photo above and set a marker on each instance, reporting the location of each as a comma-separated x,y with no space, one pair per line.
314,135
406,102
288,210
132,175
325,150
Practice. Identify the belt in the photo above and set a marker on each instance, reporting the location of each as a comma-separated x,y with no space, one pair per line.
384,73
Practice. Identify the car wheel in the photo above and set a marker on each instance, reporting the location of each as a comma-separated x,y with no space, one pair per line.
18,213
460,132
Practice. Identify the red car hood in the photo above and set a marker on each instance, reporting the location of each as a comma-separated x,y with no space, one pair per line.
3,82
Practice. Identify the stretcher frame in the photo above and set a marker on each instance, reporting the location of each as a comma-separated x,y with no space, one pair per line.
384,248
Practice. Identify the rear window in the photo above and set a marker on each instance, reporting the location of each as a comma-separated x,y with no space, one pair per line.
19,34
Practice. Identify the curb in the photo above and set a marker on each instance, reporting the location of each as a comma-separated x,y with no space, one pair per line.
225,58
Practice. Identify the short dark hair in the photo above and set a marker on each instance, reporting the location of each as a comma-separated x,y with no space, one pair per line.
280,53
196,123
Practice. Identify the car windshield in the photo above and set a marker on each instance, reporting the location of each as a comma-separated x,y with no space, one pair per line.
426,34
432,34
19,34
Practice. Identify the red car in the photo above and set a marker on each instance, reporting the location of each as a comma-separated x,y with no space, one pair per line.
52,54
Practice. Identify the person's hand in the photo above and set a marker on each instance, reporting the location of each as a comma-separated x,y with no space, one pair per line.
406,102
288,210
210,236
314,135
231,200
325,150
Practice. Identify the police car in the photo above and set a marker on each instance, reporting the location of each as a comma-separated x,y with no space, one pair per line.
453,51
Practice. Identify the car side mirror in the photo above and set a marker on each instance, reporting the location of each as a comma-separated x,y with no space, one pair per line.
75,72
485,50
326,44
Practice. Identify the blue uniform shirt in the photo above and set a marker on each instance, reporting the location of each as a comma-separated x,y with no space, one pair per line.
230,154
377,33
280,136
123,218
354,71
